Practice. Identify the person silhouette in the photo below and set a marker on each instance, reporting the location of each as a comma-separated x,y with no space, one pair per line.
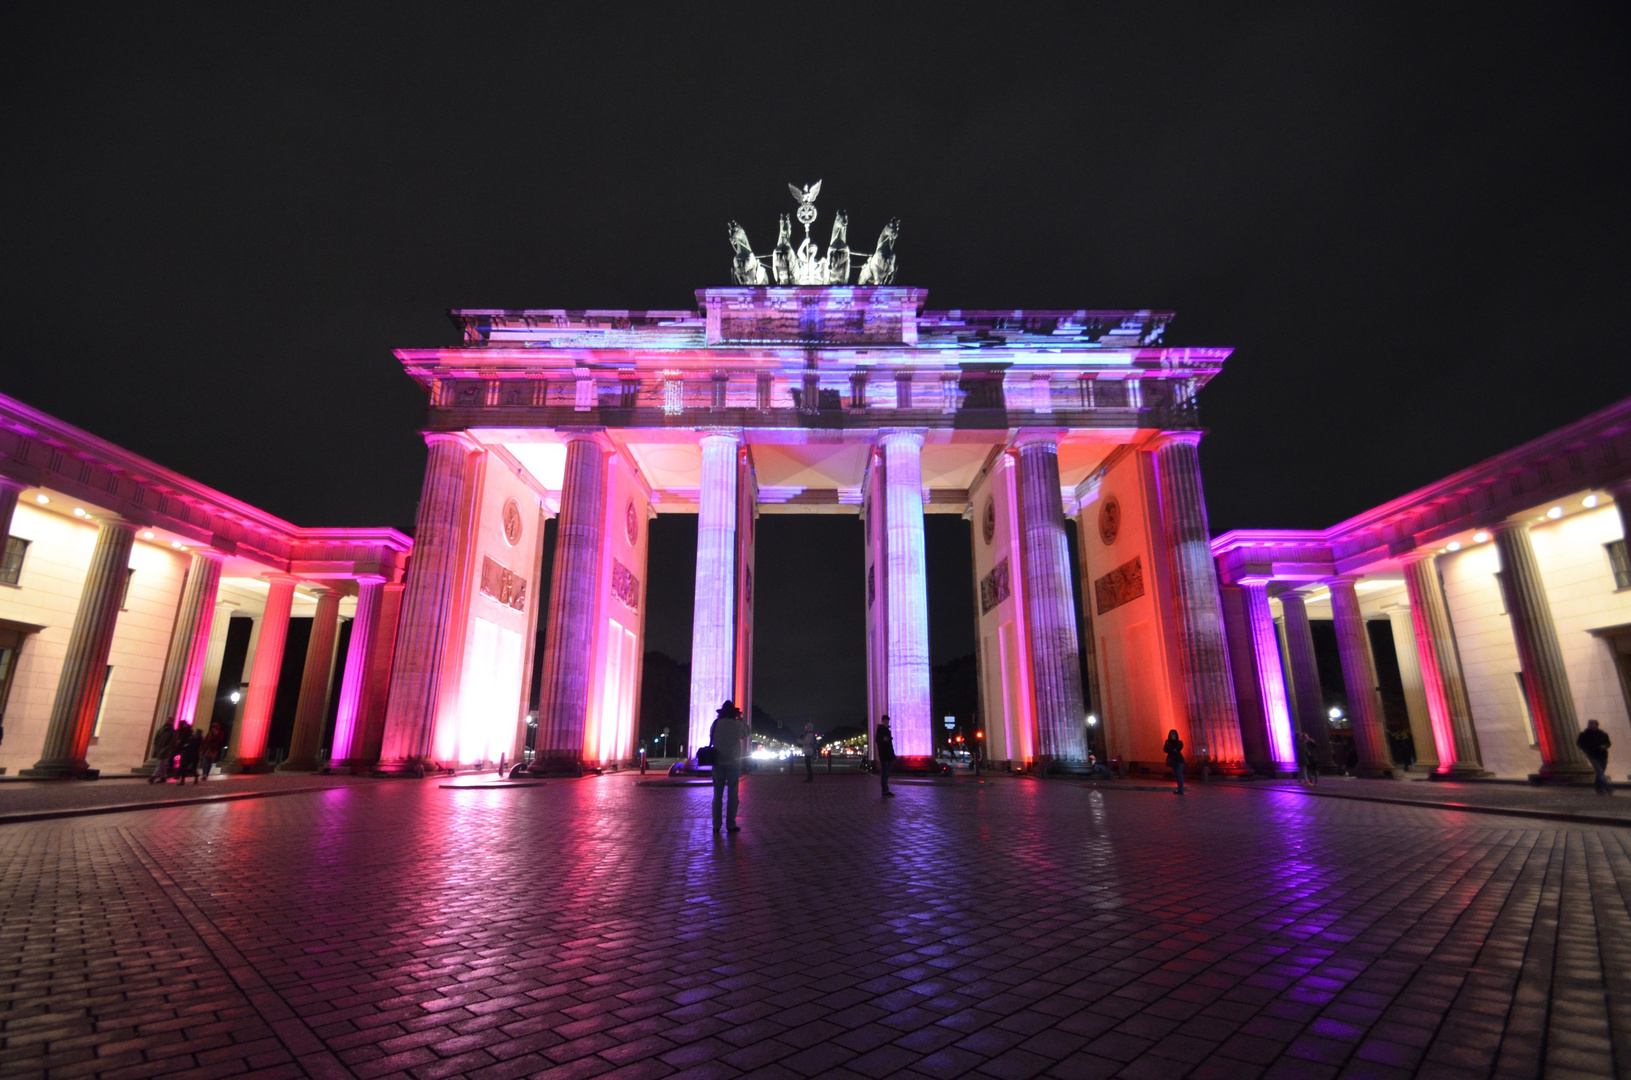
727,736
885,743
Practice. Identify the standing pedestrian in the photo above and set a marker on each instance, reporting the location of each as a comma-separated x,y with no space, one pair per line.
1174,749
727,736
164,743
886,753
1593,742
1308,771
809,743
188,755
209,752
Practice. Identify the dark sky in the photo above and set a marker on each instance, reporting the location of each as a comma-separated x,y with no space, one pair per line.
1411,224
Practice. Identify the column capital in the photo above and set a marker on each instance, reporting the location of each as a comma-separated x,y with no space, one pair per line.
899,436
462,438
1036,438
1169,438
364,578
8,484
1417,555
732,433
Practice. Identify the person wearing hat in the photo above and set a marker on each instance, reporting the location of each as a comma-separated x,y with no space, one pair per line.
885,742
729,737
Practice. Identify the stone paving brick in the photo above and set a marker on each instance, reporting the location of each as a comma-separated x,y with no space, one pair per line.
1019,929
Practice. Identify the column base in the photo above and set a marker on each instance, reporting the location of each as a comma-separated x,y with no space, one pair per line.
1228,770
247,768
298,766
1047,766
916,764
1374,772
567,764
1562,776
63,770
416,769
144,769
1459,772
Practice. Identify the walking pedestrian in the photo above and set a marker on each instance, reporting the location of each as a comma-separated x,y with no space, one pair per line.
1593,742
809,743
886,753
1308,766
209,752
1174,749
188,756
164,743
727,737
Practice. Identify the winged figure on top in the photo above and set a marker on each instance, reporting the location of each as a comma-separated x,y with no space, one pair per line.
805,264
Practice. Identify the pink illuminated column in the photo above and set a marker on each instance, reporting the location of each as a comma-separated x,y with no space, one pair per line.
1545,679
1271,680
569,636
1050,620
315,679
429,605
1214,721
713,620
1448,709
189,648
370,727
354,676
249,741
1306,692
85,668
1359,680
908,610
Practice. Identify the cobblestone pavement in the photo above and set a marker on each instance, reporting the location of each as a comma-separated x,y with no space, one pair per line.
1010,929
48,796
1548,798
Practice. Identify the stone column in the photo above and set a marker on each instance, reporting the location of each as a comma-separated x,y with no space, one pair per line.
1055,670
371,719
1270,679
249,741
428,606
908,611
9,490
1306,693
314,685
713,620
189,650
354,676
569,639
1449,711
85,668
1415,689
1214,722
1359,679
1545,679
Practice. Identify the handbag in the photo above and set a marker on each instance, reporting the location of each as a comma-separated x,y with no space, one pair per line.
705,756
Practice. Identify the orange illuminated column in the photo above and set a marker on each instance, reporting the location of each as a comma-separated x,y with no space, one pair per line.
249,741
85,668
430,605
1448,709
1050,621
569,638
1214,721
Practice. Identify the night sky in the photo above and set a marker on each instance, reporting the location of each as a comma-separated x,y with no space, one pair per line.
1412,225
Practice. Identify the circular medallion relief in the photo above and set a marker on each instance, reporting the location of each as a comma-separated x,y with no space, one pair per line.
988,520
631,522
1109,520
512,522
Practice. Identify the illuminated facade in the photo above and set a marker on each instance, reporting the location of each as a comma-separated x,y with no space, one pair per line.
837,400
127,590
1479,621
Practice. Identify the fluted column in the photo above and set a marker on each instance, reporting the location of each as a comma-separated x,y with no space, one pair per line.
189,649
1307,697
1545,679
908,610
314,685
1449,711
1214,721
249,741
713,619
370,728
354,676
1271,680
9,490
85,668
1414,686
1055,667
428,605
1359,679
569,639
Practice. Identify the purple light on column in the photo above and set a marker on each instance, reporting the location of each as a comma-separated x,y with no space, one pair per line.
353,684
1270,679
713,621
908,594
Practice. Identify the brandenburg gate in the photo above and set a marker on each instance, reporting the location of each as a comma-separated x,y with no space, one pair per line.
794,391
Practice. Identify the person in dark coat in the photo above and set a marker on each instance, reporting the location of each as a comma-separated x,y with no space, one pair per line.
164,748
809,742
188,754
885,743
210,752
1308,759
1174,749
728,737
1593,742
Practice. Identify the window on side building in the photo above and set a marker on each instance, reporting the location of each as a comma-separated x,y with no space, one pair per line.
11,562
1622,566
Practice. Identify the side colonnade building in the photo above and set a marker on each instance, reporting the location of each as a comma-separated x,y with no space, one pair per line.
1501,595
132,597
812,400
